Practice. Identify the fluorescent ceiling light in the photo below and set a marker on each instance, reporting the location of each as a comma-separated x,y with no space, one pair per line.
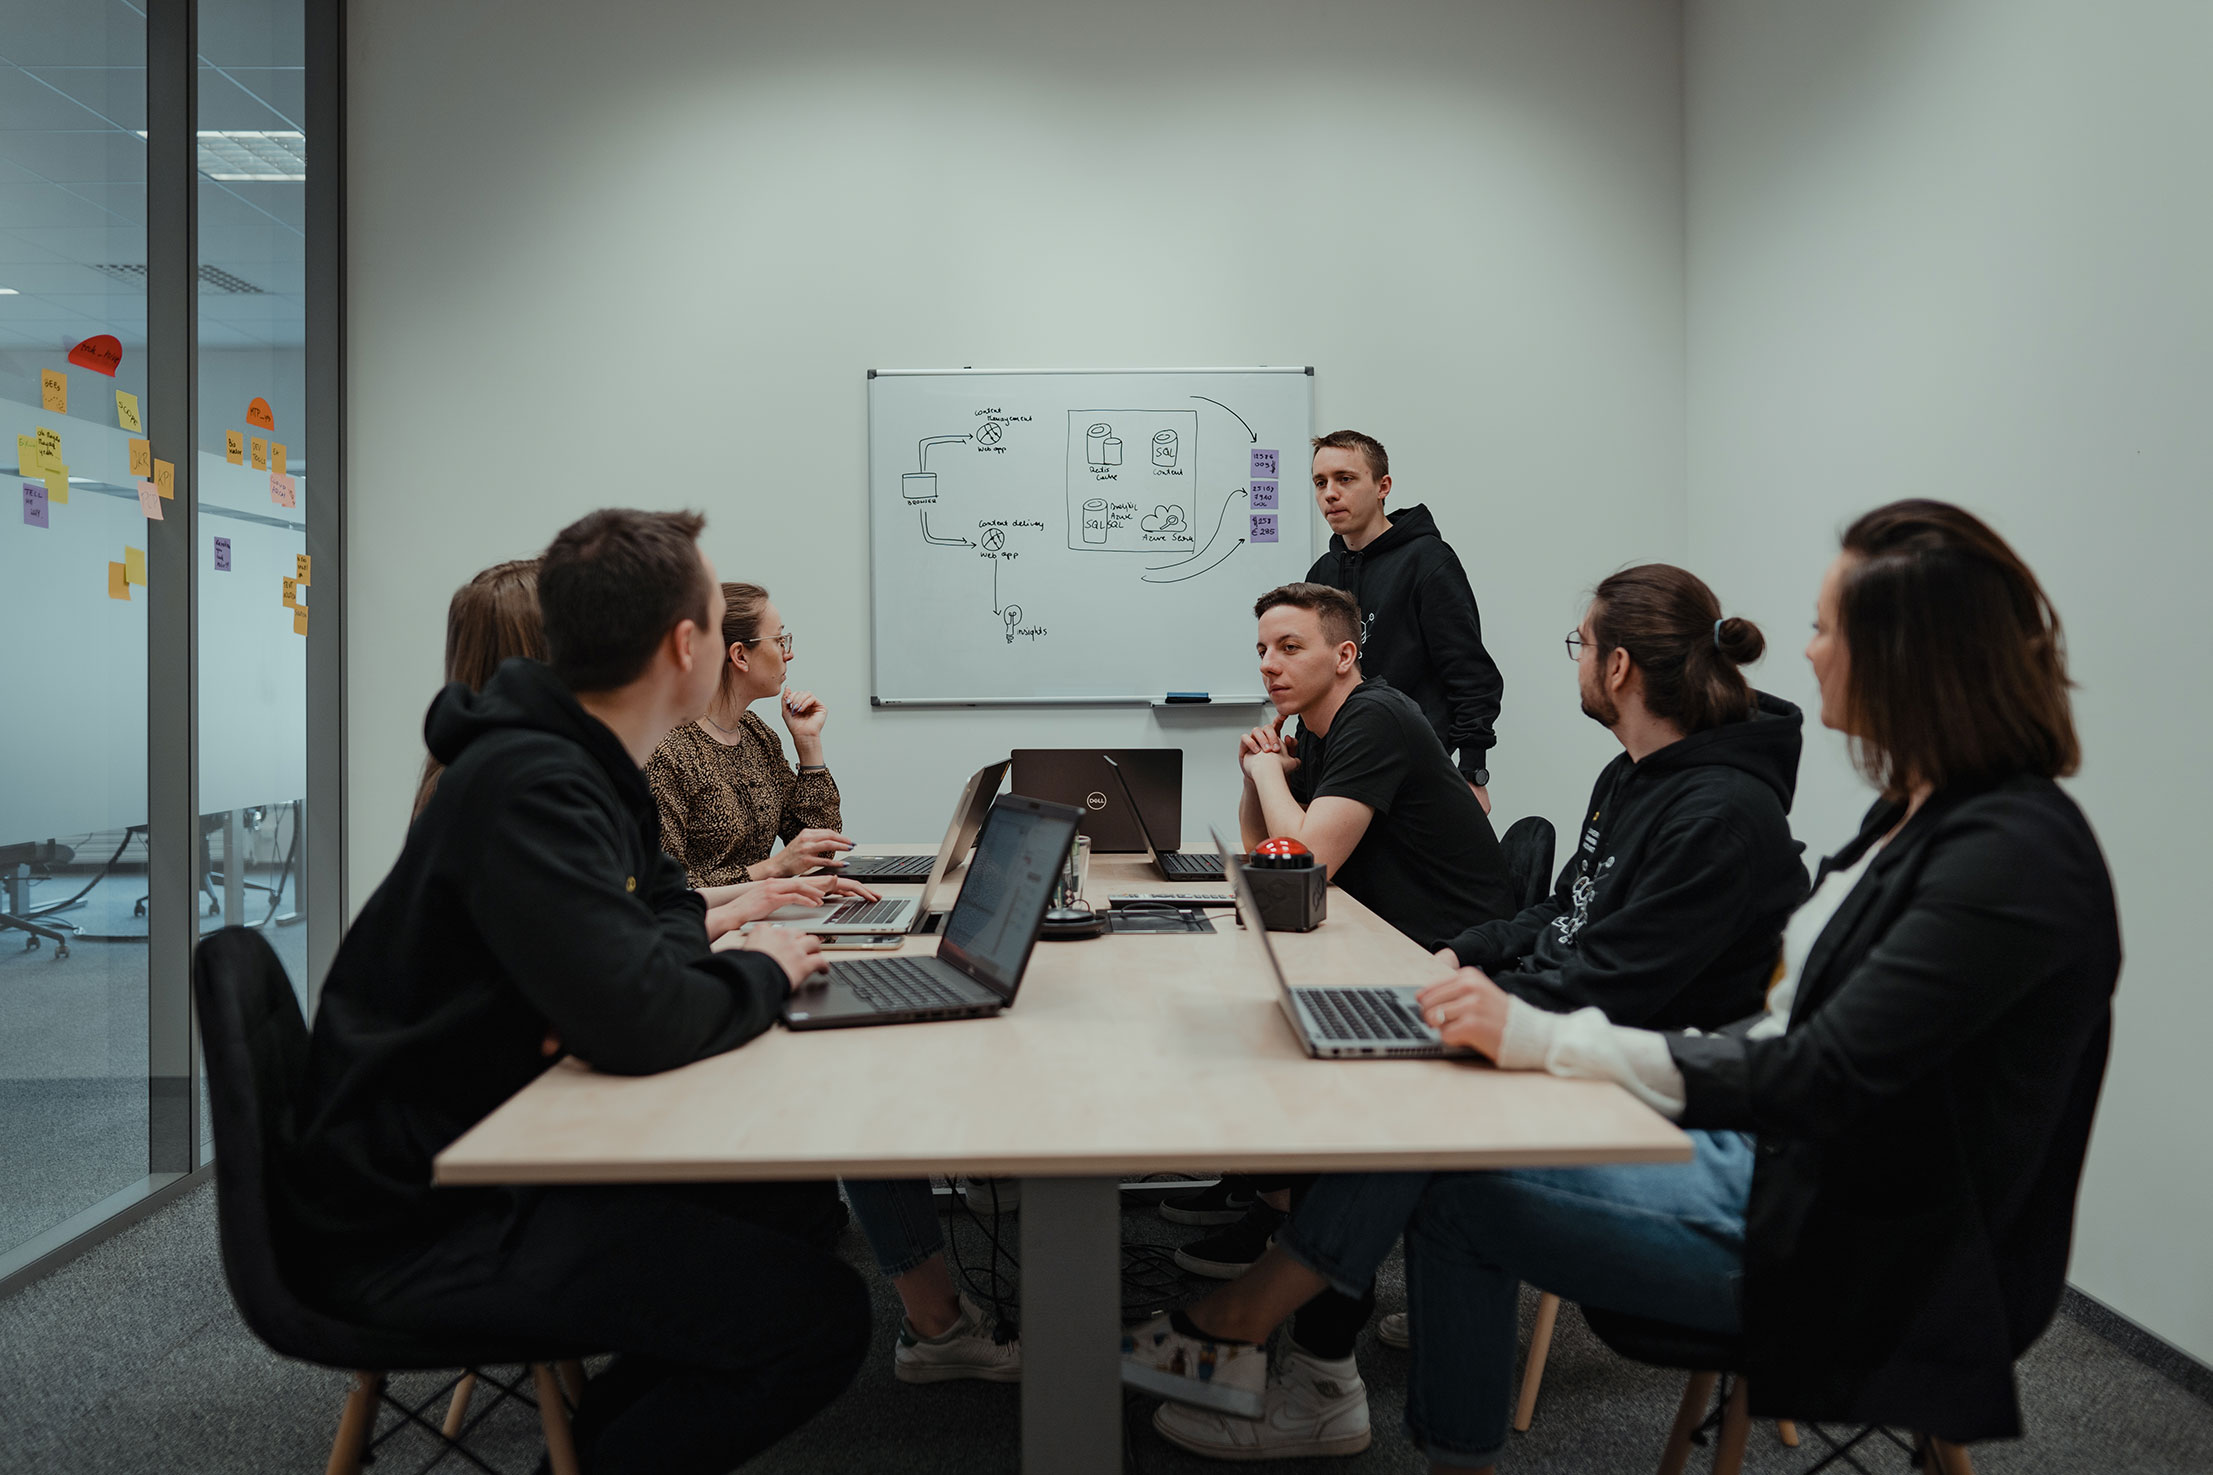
234,155
7,292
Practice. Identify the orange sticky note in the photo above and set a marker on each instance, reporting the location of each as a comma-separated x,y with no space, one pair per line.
142,458
258,415
299,622
291,593
258,454
149,500
49,450
134,564
234,448
126,411
276,458
306,566
119,581
53,390
165,478
57,487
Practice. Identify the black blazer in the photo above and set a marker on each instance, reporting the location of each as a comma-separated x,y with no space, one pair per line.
1922,1124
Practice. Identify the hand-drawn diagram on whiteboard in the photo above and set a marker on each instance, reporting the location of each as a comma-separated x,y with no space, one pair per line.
1132,504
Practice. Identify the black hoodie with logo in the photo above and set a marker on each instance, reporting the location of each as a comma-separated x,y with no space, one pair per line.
1670,913
1420,629
532,897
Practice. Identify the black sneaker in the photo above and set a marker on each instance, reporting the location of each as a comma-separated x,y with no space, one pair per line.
1224,1203
1230,1253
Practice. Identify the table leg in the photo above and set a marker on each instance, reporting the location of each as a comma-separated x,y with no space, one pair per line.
1071,1326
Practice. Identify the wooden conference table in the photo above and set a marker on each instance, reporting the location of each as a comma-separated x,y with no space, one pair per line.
1124,1055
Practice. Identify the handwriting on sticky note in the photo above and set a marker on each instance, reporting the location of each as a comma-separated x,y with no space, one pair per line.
257,454
49,449
257,414
283,490
276,458
149,501
1263,527
305,565
1263,495
53,390
299,622
165,478
134,563
1263,462
222,555
26,456
234,447
34,504
102,353
126,411
119,581
291,593
142,458
57,486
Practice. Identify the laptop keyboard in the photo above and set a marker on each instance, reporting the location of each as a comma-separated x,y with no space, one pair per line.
1364,1014
887,866
1196,867
869,913
897,983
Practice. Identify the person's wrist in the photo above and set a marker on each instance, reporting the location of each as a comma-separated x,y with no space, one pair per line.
1525,1041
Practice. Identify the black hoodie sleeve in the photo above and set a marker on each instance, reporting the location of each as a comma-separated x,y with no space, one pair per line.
618,963
1495,944
1696,887
1452,630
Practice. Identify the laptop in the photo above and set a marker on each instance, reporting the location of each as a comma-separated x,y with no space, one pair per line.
905,913
1079,776
1356,1022
987,940
1172,864
968,816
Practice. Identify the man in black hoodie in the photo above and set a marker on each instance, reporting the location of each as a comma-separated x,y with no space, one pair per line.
1670,913
1420,631
532,911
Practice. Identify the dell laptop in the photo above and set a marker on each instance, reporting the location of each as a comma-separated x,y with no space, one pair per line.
1171,864
1080,776
904,913
1357,1022
986,943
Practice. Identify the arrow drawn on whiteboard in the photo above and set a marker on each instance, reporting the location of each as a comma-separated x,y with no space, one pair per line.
1217,563
995,609
1240,419
1194,558
930,537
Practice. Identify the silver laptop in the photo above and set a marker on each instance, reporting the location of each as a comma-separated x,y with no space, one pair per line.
905,913
1355,1022
1169,865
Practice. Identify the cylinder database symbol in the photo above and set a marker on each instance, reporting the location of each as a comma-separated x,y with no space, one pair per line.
1095,520
1095,442
1164,448
918,486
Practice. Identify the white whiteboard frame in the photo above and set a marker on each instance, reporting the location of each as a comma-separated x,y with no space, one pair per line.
868,515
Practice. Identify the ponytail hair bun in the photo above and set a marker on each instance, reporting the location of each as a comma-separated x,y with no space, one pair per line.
1674,630
1739,641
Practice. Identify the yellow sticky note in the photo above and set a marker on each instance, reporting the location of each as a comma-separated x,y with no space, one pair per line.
49,450
149,501
259,457
306,566
234,448
53,390
134,564
26,456
126,411
57,487
276,457
165,479
291,593
142,458
119,581
299,622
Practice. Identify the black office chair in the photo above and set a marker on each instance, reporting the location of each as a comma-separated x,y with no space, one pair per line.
256,1049
1528,845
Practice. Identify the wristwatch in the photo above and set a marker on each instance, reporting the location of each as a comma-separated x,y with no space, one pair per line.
1481,778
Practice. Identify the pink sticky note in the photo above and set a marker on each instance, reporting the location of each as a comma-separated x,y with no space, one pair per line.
1263,527
283,490
149,501
1263,495
1263,462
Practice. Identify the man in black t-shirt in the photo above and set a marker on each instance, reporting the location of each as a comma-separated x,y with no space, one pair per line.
1365,784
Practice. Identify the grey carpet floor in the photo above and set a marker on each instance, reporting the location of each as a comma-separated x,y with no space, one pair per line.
131,1360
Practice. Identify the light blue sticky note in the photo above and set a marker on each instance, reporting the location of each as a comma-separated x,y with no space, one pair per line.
1263,462
1264,494
1263,527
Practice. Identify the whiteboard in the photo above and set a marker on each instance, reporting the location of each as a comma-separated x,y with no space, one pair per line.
1081,535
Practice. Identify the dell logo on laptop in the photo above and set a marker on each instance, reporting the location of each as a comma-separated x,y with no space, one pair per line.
1094,800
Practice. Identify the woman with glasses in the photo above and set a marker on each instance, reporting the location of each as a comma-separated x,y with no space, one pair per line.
725,790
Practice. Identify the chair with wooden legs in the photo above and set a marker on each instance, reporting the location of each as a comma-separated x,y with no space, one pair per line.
256,1047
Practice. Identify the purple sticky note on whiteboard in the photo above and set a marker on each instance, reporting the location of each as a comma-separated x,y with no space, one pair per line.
1264,494
1263,527
1263,463
222,555
34,504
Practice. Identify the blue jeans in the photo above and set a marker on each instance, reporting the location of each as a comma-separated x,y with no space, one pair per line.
1663,1240
899,1217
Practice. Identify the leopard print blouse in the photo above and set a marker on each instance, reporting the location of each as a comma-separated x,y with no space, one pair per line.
725,805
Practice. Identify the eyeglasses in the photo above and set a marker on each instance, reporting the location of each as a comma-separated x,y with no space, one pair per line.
783,642
1575,643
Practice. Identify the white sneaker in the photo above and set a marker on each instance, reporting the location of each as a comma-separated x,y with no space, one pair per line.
1312,1409
1160,1360
1391,1331
987,1196
968,1350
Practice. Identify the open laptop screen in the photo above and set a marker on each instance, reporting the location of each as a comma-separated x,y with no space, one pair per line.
1010,880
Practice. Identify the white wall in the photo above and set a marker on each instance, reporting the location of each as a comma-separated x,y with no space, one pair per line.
1959,248
643,254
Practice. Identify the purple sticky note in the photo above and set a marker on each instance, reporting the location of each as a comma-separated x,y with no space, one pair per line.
34,504
222,555
1263,463
1263,527
1264,494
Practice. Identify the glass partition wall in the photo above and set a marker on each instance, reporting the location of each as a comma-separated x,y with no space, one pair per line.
155,585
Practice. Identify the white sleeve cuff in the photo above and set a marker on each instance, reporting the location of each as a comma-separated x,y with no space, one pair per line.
1584,1046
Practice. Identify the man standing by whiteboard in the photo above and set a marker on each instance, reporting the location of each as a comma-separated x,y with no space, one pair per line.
1420,632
